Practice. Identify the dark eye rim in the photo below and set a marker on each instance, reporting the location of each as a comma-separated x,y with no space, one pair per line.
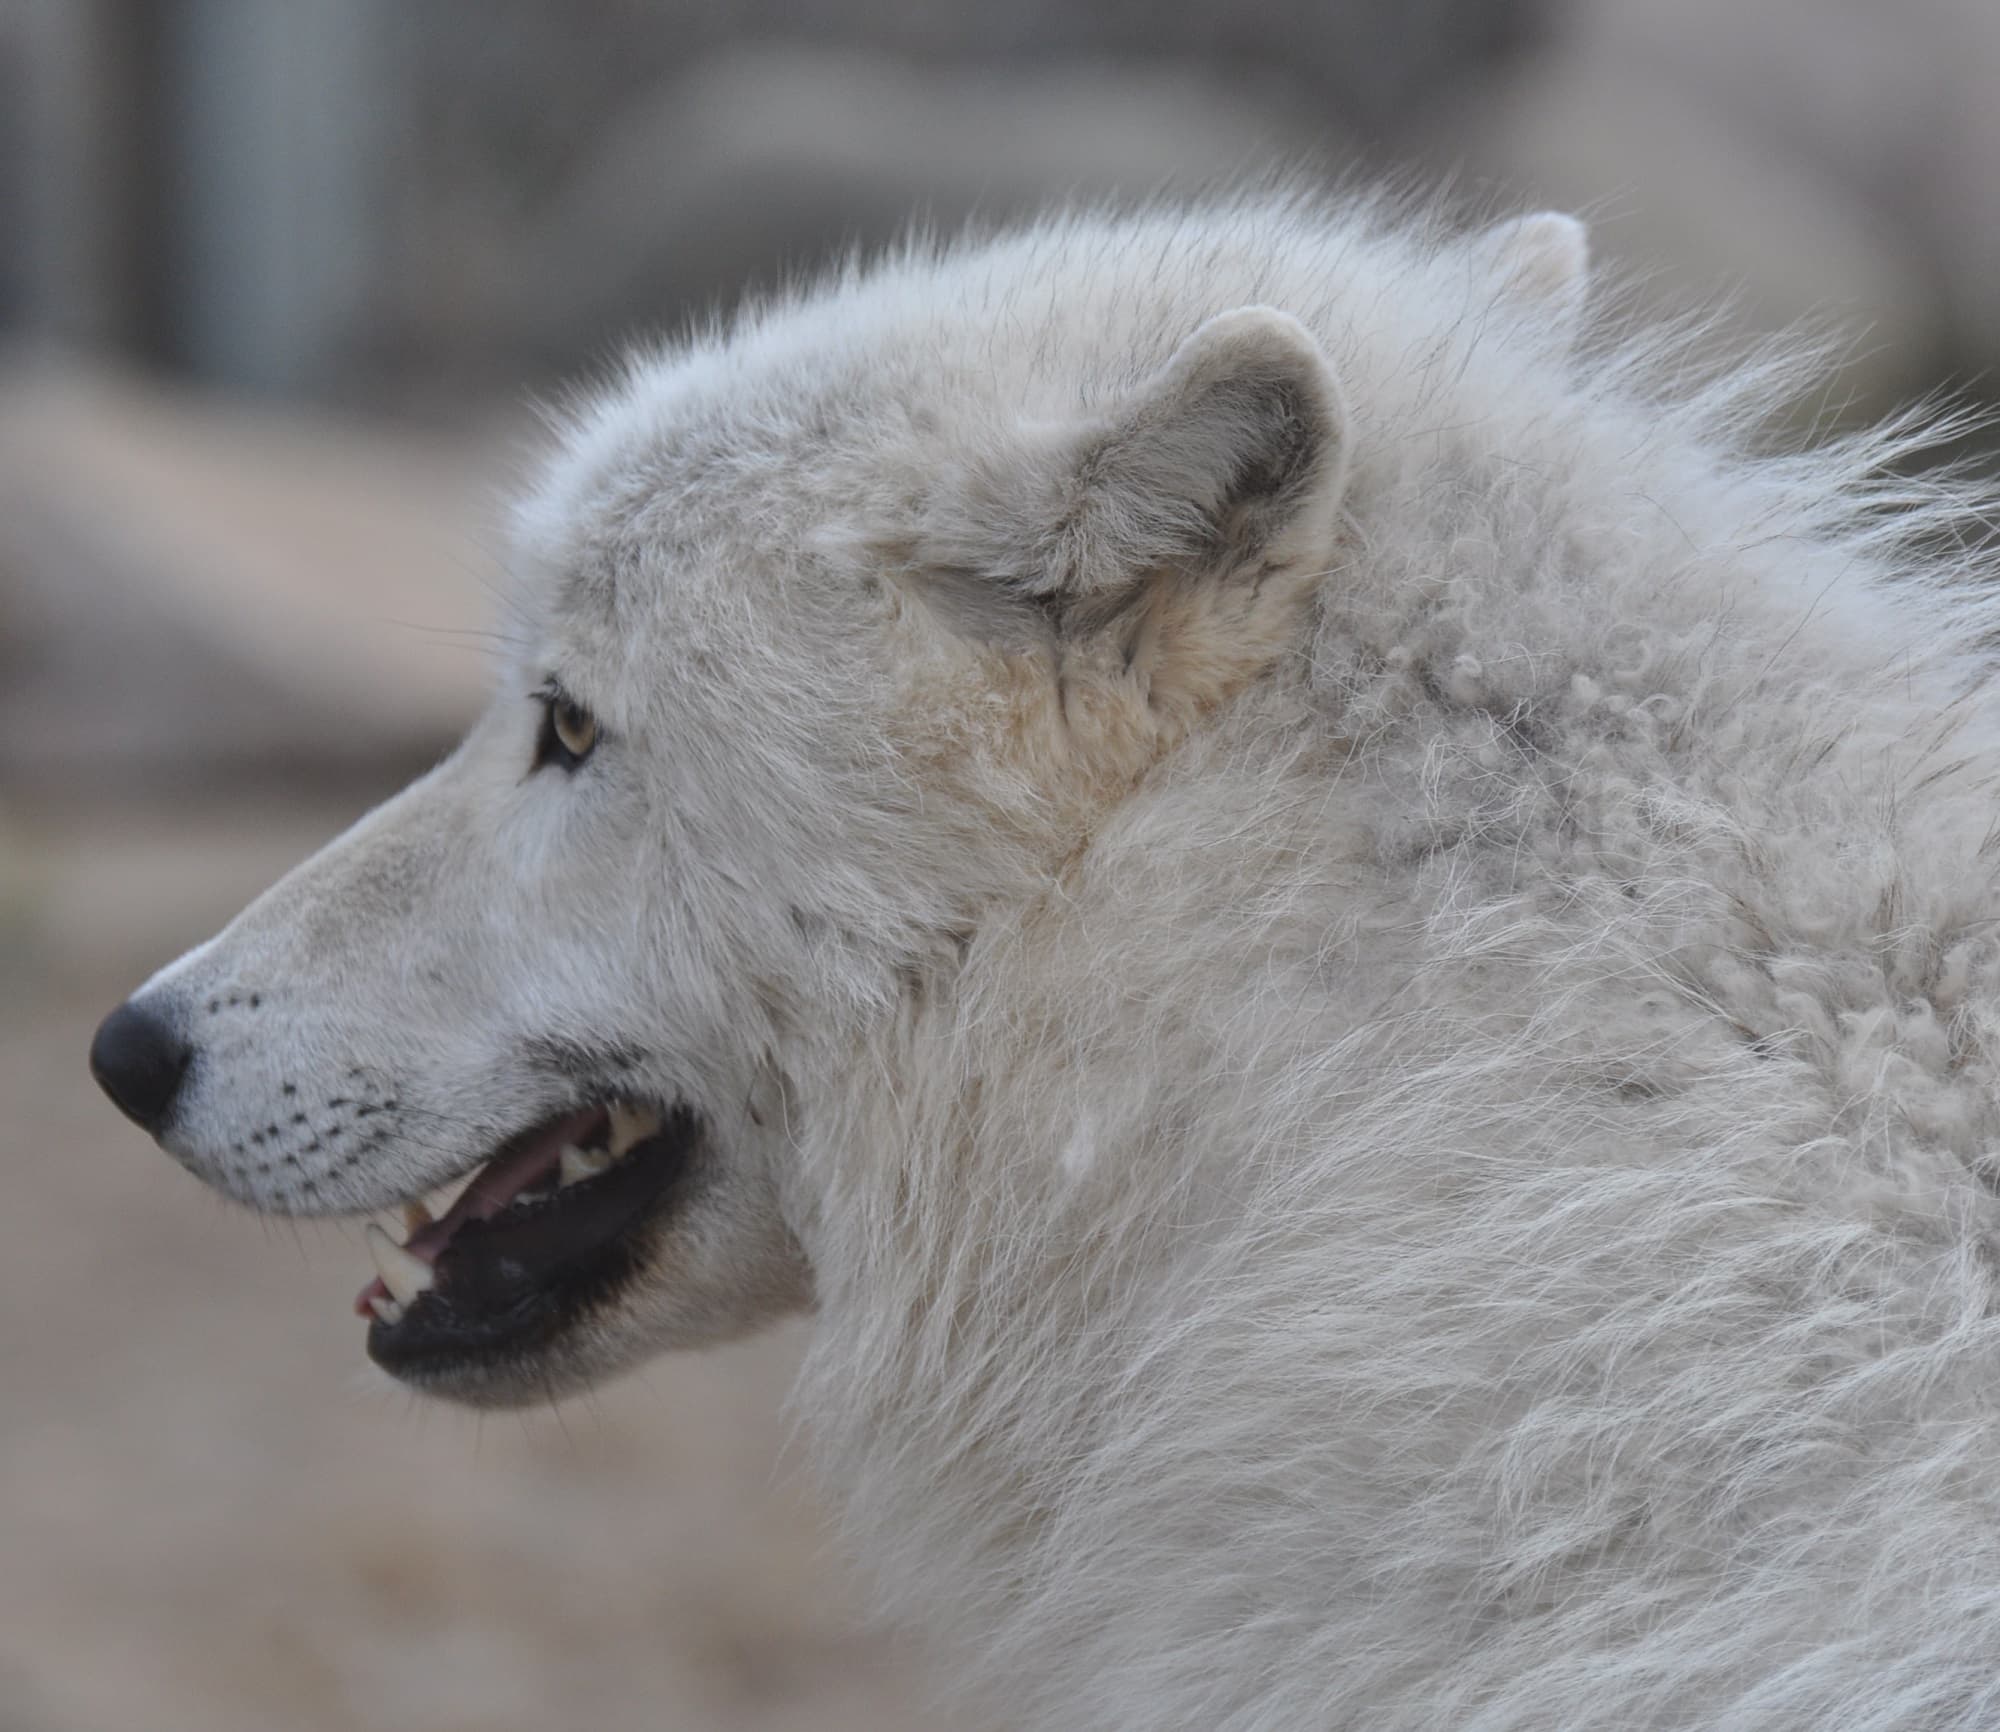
549,747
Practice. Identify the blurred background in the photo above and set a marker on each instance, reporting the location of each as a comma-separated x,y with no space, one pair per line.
279,280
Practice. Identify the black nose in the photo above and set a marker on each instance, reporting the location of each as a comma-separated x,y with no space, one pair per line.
139,1062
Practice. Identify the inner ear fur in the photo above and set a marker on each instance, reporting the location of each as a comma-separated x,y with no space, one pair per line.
1173,509
1222,459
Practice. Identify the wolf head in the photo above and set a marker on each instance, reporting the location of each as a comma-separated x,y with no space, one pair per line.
830,637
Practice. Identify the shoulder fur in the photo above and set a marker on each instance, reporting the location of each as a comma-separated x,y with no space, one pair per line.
1470,1201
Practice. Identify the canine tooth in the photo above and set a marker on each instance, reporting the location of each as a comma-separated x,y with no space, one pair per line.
416,1213
630,1125
386,1309
403,1273
580,1164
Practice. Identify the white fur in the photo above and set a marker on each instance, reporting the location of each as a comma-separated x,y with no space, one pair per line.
1433,1164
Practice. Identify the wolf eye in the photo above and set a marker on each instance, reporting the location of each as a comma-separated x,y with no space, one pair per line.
569,731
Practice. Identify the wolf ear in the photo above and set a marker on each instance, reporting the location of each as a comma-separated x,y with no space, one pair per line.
1182,521
1543,262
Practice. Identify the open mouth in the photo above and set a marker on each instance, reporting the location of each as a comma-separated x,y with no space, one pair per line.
545,1229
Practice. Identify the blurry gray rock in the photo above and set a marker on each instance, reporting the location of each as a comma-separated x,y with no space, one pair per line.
190,590
1893,103
765,160
539,78
1827,160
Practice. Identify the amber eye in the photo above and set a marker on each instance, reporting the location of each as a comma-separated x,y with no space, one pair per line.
576,727
569,731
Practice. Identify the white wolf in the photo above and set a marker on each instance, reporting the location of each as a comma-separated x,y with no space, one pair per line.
1353,956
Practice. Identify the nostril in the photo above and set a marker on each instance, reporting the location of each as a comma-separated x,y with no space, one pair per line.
139,1061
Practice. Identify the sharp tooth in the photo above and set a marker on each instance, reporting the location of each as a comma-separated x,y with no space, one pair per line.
386,1309
415,1214
404,1274
630,1125
580,1164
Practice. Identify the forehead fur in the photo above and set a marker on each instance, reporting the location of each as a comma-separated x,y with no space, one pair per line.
731,488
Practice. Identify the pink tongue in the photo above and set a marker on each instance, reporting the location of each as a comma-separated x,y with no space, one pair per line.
496,1185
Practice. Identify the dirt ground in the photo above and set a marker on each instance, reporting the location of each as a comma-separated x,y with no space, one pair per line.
215,1516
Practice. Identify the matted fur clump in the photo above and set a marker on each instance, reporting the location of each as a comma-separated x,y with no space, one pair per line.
1350,951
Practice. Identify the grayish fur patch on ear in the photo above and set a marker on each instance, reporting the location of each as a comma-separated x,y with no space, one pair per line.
1202,465
972,603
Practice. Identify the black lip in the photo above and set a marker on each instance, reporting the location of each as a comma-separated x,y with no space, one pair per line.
512,1284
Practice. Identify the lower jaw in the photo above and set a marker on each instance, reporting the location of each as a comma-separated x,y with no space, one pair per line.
499,1384
442,1347
541,1363
504,1324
